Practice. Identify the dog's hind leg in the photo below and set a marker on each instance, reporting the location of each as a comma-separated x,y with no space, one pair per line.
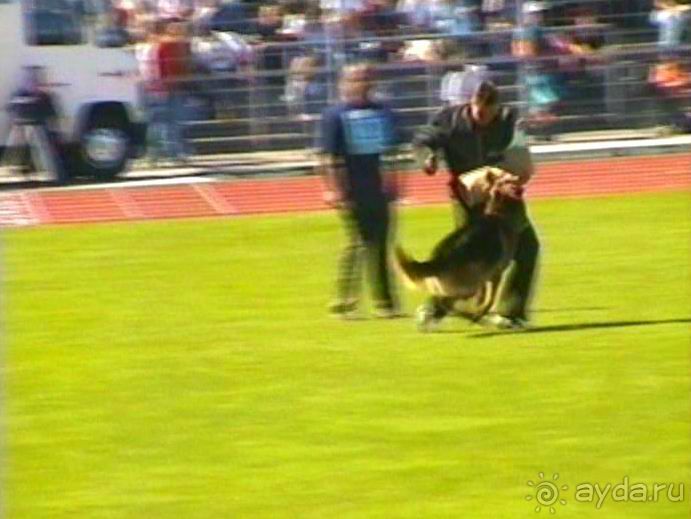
473,308
487,296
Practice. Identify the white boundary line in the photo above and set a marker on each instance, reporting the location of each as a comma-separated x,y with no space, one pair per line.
218,204
171,181
547,149
539,150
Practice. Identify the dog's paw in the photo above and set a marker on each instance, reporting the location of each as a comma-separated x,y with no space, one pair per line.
502,322
425,319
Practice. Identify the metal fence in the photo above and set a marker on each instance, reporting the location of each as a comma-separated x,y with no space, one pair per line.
275,102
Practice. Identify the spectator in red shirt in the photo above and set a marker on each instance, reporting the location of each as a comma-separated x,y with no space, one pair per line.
154,96
175,65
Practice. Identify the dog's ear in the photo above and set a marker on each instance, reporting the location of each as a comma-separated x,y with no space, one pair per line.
489,179
492,175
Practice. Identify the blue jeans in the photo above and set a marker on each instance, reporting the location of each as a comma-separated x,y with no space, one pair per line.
171,116
155,132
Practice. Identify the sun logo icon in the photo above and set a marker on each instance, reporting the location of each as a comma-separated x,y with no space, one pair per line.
546,493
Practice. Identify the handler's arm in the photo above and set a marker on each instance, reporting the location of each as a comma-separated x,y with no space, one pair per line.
392,157
430,140
332,174
517,157
392,178
331,157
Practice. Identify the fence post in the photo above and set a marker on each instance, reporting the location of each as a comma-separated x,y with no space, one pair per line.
520,66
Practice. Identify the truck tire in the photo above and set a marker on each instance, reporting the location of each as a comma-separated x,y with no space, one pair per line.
105,144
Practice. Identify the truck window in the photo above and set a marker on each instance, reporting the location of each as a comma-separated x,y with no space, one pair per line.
52,22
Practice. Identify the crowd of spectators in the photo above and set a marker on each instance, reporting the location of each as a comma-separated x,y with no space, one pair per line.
289,44
313,21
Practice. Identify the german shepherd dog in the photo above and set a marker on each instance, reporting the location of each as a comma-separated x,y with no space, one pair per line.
469,262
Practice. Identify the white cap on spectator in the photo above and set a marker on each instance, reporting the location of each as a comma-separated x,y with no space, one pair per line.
534,7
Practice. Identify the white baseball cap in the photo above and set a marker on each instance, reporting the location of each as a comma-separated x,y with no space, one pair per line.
534,7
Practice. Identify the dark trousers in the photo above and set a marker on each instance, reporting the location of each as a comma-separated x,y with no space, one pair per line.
43,146
515,292
367,229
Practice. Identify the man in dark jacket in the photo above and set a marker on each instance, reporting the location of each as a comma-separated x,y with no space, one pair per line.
34,117
470,136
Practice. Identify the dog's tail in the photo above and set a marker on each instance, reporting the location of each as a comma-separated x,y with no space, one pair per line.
415,274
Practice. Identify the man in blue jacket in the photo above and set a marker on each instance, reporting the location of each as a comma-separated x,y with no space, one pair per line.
356,133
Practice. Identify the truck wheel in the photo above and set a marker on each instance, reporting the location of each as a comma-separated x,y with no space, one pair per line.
105,145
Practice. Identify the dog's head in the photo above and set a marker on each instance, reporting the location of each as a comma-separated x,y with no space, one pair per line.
489,177
475,187
505,195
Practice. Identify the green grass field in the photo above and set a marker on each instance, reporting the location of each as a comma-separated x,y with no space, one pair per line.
188,369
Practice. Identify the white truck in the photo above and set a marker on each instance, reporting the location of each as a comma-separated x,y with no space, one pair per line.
96,88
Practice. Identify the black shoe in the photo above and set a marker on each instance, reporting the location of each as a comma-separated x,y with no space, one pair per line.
343,309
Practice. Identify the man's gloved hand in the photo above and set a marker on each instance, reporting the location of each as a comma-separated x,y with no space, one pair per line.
431,164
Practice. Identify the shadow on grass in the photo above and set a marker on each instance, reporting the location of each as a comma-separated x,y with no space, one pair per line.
569,309
583,326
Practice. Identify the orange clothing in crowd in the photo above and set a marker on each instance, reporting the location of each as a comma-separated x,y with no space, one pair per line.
672,77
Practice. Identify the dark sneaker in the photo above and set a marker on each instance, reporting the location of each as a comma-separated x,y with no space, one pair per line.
344,310
519,324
